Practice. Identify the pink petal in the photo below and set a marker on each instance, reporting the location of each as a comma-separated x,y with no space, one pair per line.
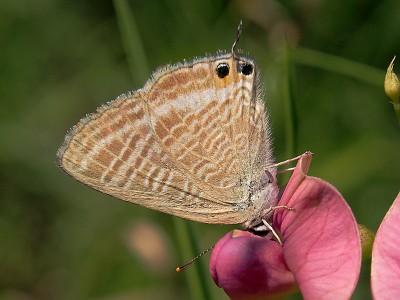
250,267
296,179
320,237
385,269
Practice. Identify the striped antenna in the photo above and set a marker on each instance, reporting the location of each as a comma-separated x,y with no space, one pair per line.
184,266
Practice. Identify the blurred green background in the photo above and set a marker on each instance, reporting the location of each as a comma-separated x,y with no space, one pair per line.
61,59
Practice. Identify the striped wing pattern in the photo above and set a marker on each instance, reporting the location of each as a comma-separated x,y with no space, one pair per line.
187,144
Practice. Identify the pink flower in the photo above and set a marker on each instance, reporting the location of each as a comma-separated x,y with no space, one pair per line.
385,269
320,253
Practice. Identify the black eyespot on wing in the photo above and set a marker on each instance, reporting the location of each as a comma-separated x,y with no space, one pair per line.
222,70
246,69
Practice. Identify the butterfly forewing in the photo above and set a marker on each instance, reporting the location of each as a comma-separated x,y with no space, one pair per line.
186,144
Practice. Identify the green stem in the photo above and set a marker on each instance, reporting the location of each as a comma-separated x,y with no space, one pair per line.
396,107
188,248
132,42
342,66
339,65
186,235
289,106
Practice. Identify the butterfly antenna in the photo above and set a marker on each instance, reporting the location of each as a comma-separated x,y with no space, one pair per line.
239,32
183,267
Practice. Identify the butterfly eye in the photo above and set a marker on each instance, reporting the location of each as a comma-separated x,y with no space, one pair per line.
246,69
222,70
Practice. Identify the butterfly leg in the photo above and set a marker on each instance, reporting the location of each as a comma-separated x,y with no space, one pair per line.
272,208
288,161
270,228
285,170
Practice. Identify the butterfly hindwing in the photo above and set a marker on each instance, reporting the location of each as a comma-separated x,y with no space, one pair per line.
185,144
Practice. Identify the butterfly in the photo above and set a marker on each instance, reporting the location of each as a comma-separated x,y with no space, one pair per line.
194,142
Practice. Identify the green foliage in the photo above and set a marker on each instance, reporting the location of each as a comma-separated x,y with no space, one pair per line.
61,59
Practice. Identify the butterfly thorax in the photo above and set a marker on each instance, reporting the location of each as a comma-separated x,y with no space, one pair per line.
262,196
